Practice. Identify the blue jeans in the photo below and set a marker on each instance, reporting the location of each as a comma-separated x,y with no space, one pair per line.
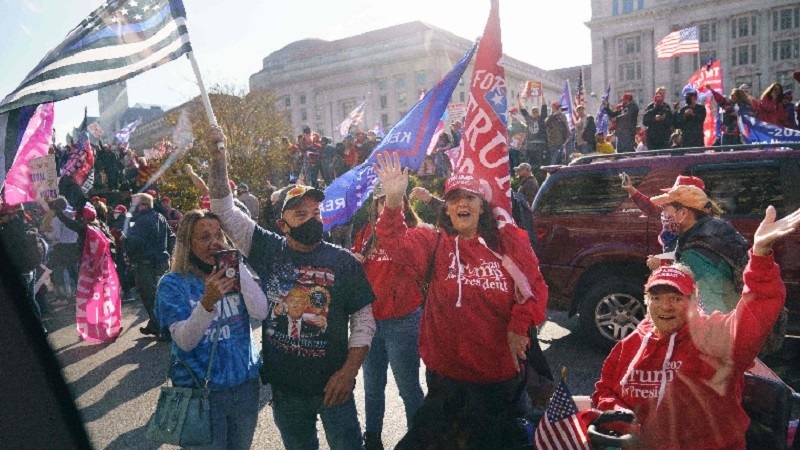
296,418
396,343
234,415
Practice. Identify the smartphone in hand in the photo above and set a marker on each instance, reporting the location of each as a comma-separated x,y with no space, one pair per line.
228,263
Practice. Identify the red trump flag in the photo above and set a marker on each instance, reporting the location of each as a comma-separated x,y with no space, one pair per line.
483,156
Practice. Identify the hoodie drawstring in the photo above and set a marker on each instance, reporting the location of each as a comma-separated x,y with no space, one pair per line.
636,358
460,272
664,368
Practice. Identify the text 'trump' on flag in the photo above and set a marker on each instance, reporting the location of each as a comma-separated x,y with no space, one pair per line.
119,40
679,42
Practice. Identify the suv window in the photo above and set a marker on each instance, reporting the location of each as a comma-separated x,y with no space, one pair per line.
596,192
743,188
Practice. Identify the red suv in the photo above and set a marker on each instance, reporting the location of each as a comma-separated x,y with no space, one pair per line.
593,240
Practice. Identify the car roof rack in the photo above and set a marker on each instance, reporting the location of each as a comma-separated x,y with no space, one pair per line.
684,150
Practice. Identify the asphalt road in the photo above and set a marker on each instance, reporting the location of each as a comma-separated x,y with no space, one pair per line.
115,385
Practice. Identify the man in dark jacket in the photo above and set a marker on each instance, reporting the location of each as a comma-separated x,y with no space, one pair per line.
557,131
149,244
626,119
658,120
536,139
690,120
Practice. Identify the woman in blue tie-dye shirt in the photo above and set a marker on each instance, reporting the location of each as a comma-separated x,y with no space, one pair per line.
196,302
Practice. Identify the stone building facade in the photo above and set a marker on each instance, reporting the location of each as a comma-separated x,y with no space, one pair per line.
319,82
756,41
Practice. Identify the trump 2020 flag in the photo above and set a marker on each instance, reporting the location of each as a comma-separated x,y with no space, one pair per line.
560,427
25,136
124,135
602,115
759,132
80,163
484,146
119,40
410,138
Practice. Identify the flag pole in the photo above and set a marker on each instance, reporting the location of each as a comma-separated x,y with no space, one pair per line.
203,93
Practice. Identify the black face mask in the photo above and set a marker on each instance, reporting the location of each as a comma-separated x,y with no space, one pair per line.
307,233
204,267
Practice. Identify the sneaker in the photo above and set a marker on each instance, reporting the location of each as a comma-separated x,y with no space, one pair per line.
372,441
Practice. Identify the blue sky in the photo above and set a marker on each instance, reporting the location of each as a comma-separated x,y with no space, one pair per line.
231,37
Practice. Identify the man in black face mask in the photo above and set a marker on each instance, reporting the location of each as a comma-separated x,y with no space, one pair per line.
309,359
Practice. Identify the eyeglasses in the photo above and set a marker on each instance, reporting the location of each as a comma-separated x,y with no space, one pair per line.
668,298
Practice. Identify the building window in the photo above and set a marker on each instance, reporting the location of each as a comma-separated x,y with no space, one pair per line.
743,27
384,102
462,96
287,116
400,81
786,49
318,113
287,101
744,79
641,4
303,115
630,46
676,65
614,8
402,99
421,78
302,99
461,81
347,107
743,55
627,6
630,71
382,84
786,79
786,19
708,32
385,121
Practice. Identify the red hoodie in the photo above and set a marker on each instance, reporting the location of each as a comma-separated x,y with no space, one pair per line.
688,393
396,287
466,320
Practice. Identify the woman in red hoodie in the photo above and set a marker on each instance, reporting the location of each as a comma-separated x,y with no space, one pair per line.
682,371
485,292
397,315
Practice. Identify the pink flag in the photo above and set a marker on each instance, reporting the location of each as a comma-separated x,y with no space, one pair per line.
97,304
35,144
484,146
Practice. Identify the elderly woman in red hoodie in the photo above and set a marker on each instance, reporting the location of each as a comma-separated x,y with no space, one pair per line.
485,292
397,311
682,371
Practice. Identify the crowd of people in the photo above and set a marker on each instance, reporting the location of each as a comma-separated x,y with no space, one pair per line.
455,294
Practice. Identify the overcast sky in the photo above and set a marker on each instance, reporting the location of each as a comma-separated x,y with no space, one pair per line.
231,37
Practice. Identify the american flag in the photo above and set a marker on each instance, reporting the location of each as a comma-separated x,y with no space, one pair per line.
679,42
124,135
560,427
580,98
119,40
355,117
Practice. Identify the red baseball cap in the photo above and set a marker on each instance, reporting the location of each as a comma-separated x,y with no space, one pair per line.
686,180
671,276
469,183
121,209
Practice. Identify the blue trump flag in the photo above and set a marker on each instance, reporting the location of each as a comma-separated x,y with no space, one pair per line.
410,138
756,131
602,115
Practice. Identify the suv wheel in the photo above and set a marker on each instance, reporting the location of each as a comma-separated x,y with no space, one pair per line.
611,310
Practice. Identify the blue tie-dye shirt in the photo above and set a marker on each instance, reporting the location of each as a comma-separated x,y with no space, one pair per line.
237,359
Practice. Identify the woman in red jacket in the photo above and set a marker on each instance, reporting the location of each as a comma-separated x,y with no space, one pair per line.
397,315
485,292
682,371
769,108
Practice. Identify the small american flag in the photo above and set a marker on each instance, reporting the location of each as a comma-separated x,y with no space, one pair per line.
679,42
560,427
580,98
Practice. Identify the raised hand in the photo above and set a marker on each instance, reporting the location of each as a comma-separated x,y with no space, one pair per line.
393,178
771,230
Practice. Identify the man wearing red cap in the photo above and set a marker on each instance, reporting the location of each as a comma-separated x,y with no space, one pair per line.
682,371
626,119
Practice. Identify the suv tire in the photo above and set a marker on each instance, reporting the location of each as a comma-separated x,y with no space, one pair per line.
611,309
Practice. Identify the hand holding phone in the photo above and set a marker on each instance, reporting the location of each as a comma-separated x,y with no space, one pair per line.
228,264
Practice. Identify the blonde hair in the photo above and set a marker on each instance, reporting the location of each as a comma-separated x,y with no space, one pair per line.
143,199
181,256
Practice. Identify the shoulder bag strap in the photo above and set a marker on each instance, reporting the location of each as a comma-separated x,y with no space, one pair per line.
211,359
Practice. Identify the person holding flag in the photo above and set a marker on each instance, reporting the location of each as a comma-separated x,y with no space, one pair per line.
626,119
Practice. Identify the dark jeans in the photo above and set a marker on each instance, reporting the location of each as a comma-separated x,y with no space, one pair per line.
147,276
234,415
466,415
296,418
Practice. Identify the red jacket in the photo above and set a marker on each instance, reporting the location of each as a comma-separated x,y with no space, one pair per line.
771,112
466,320
691,396
396,287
